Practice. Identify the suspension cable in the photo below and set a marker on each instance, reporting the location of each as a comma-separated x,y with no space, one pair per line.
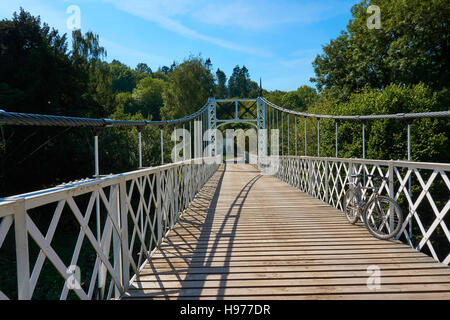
432,114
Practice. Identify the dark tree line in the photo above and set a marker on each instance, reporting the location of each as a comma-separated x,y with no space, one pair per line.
239,84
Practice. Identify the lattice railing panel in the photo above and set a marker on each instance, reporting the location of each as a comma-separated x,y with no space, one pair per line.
107,227
421,189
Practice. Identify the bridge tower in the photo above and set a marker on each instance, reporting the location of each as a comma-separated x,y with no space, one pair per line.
212,125
259,122
262,132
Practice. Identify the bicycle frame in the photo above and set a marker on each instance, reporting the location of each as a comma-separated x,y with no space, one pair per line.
363,205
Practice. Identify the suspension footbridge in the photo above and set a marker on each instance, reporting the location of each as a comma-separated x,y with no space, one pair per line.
203,228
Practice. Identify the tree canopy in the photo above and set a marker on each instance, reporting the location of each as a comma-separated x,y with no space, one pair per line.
412,46
189,85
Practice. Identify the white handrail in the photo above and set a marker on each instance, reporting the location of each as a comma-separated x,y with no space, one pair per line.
149,200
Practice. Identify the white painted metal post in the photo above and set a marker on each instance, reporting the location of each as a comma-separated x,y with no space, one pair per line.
203,132
175,143
98,226
162,147
96,165
364,149
117,248
172,196
158,208
364,139
296,144
124,234
97,205
191,137
305,137
197,139
391,192
336,123
22,254
273,118
288,136
326,181
282,135
409,179
409,141
318,137
140,146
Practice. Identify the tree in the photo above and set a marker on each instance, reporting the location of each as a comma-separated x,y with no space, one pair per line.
233,83
87,55
275,96
208,64
253,88
125,104
143,68
240,84
123,78
221,86
243,80
412,45
165,70
36,73
332,68
148,97
291,100
188,88
39,75
308,97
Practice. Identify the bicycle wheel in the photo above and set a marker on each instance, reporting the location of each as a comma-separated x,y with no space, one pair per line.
351,206
383,217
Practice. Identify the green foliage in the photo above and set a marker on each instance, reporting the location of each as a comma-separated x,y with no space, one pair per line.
240,85
412,46
123,78
143,68
188,87
36,74
401,67
298,100
221,86
148,95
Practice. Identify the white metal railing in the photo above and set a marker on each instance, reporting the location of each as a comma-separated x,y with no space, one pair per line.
121,218
422,189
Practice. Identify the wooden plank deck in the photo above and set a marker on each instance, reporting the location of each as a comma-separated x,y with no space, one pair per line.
252,236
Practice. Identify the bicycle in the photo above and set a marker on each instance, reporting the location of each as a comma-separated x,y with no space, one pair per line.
381,215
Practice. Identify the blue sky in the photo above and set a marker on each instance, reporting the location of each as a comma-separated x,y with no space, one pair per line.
275,40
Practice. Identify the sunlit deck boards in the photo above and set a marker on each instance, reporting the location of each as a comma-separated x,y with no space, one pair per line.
251,236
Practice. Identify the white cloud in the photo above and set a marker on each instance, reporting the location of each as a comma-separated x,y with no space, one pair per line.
264,14
305,52
295,63
162,13
244,14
